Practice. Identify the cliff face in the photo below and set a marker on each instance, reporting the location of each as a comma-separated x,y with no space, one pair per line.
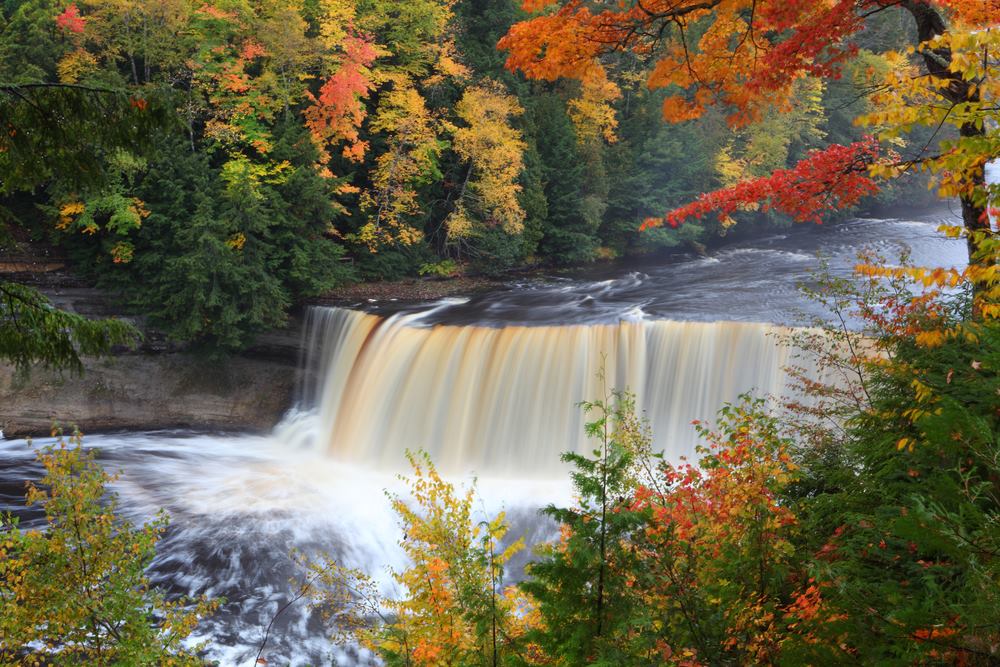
156,387
146,391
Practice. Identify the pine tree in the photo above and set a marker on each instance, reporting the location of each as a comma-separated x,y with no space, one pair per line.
578,583
567,236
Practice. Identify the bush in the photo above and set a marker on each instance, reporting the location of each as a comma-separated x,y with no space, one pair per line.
76,592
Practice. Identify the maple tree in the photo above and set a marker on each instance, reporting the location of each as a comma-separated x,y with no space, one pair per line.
494,153
411,160
747,57
454,610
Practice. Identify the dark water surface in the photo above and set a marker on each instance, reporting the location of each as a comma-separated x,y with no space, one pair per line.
754,280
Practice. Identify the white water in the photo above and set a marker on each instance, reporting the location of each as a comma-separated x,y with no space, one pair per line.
477,397
499,403
505,401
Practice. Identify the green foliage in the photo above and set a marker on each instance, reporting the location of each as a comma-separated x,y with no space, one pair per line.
76,593
567,235
67,133
656,171
223,254
29,42
443,269
579,583
33,331
913,530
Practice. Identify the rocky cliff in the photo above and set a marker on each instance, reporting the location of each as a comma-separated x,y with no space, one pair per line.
155,387
145,391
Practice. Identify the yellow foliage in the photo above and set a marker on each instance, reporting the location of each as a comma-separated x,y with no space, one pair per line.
410,158
68,213
74,65
237,241
452,580
592,113
906,100
494,152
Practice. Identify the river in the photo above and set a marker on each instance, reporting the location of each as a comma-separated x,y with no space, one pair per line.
488,385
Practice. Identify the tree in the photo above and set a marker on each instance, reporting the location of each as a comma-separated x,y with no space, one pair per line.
655,169
567,235
454,611
717,571
410,161
77,591
579,585
34,331
747,57
492,155
903,507
223,253
72,136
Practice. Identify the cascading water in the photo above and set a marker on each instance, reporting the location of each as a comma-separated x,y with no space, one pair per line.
486,397
504,401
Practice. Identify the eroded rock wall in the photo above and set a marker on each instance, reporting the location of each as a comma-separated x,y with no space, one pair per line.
139,391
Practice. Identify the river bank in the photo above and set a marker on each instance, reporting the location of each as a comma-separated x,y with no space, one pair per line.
160,385
138,391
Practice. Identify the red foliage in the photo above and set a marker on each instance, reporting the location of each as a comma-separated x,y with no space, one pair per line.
827,180
810,47
70,20
252,49
338,112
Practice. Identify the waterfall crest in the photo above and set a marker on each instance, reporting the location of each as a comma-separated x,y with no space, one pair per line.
504,401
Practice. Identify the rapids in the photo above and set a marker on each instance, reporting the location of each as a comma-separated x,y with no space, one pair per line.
488,386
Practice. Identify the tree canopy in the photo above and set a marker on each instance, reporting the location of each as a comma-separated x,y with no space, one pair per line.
747,59
344,140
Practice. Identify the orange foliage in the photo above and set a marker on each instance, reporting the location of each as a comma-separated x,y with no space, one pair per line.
337,114
738,60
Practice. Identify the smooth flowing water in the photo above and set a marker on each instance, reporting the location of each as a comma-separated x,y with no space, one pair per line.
488,386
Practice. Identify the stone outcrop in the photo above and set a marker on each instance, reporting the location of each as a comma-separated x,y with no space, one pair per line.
158,386
138,391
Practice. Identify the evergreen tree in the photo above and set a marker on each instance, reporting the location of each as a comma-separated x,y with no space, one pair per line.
656,170
578,583
311,261
533,201
568,236
910,534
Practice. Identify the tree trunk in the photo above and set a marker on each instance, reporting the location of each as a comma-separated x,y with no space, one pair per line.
930,24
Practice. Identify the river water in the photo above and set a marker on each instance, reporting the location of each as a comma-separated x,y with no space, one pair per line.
488,386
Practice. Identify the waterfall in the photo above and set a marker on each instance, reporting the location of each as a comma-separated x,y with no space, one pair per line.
504,401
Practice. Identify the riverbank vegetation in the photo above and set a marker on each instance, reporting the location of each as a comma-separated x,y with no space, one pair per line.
325,141
214,164
76,593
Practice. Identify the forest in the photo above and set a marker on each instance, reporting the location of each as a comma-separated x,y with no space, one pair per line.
313,144
217,165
